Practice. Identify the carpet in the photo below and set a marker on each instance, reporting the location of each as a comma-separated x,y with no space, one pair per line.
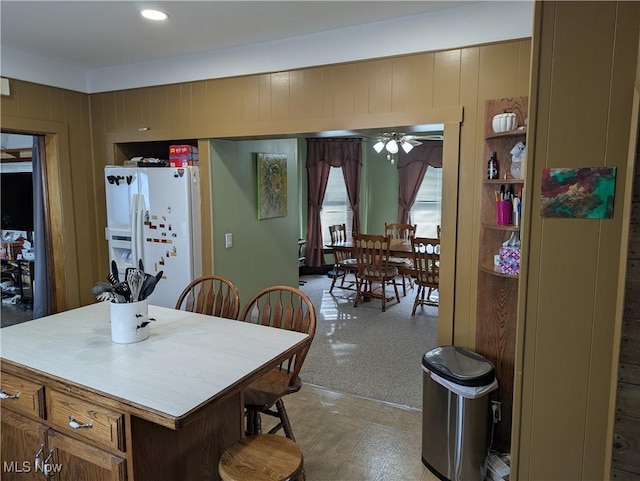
365,351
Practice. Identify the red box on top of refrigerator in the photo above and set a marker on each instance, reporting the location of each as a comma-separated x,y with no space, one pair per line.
183,155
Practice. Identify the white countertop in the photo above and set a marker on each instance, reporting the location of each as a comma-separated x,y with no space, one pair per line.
187,360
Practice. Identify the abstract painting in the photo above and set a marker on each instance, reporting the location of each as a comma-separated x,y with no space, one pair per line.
586,192
272,185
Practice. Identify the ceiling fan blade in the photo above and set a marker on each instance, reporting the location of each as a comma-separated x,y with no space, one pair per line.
428,137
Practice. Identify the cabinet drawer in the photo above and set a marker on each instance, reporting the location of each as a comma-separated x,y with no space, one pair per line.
83,418
20,395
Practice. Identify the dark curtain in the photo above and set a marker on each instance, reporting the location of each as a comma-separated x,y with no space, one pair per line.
411,170
322,154
42,288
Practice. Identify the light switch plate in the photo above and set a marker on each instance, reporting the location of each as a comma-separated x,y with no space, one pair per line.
228,240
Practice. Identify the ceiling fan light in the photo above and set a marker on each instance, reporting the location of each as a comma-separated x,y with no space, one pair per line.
378,146
406,146
392,147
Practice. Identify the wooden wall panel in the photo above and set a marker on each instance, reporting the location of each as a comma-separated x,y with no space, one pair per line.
446,79
380,74
338,91
132,110
265,97
362,87
408,83
199,105
469,198
250,100
159,118
499,70
306,85
571,284
36,104
280,95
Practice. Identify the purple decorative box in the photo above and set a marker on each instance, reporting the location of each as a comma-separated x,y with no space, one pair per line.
510,260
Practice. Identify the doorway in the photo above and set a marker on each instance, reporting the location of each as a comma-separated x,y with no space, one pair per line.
17,229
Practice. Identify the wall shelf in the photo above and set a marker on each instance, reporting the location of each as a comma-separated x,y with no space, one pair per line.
498,292
494,272
513,133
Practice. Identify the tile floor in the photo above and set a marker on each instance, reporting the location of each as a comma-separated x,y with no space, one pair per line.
350,438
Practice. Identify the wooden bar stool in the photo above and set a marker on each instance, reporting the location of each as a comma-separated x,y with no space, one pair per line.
264,457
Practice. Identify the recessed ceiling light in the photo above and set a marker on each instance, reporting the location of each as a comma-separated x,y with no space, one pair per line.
154,15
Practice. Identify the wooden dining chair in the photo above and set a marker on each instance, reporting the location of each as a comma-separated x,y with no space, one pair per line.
372,257
288,308
213,295
344,264
402,234
426,262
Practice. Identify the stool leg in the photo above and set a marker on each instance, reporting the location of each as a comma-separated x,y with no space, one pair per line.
286,425
257,423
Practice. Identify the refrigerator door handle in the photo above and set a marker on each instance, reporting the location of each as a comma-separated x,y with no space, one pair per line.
136,227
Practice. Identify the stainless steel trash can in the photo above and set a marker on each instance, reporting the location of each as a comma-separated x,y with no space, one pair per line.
455,413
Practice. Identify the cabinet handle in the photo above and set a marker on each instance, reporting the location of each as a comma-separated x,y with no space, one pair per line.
4,395
38,462
76,425
46,469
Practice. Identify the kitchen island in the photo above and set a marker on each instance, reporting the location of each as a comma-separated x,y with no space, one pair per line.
161,409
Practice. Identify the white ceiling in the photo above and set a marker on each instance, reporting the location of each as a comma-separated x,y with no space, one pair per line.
98,34
106,45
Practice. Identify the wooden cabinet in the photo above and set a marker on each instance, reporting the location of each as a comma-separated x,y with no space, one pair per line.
33,448
22,439
498,291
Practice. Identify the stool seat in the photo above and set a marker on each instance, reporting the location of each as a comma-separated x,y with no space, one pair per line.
264,457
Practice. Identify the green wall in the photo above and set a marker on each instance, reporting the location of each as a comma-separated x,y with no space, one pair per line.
379,191
264,252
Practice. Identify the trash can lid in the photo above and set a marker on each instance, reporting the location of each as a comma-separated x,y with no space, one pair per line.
459,365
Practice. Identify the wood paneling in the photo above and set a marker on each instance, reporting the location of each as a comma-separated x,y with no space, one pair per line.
626,443
571,313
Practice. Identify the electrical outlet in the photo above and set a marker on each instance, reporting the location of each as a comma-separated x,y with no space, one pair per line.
496,409
228,240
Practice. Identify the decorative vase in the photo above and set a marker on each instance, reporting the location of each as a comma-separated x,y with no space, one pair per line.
504,122
129,321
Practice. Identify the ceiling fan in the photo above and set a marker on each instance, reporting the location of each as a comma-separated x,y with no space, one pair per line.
393,141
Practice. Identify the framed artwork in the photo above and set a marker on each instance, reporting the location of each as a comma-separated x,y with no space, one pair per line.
586,192
272,185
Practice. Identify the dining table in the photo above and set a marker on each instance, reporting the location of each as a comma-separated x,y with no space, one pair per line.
400,251
164,408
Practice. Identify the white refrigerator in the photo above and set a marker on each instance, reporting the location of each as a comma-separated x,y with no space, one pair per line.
153,214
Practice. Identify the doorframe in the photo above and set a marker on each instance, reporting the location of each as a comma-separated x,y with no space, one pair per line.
63,259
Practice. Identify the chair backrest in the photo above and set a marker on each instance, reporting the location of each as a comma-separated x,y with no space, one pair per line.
372,255
283,307
426,260
400,233
213,295
338,233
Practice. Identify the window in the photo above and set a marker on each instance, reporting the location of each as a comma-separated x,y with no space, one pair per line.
427,209
335,206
